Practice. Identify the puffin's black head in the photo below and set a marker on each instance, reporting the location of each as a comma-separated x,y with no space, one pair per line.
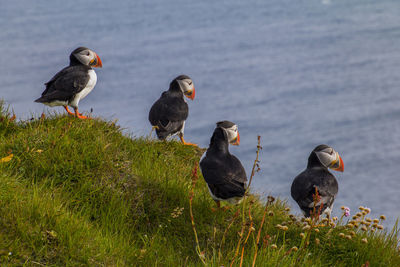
184,84
85,56
231,130
219,137
326,156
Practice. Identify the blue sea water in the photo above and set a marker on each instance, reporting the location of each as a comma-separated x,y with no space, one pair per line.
298,73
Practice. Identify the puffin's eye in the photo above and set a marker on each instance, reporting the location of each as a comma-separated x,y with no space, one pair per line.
190,82
88,54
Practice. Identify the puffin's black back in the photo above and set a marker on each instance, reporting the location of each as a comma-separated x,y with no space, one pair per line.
169,112
315,176
222,171
67,82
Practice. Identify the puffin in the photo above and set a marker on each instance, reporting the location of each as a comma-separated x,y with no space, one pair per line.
72,83
317,177
169,113
223,172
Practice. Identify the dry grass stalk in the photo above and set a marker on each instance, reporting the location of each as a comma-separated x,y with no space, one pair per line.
256,161
191,195
259,231
238,245
316,213
251,229
253,171
235,216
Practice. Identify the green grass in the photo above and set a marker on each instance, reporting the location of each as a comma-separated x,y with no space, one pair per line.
81,193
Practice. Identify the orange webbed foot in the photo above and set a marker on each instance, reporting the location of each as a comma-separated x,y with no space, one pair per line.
82,117
79,115
69,112
190,144
186,143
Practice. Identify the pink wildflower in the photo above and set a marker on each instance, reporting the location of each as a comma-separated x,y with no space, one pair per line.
346,211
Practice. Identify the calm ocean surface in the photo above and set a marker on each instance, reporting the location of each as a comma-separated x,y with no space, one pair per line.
298,73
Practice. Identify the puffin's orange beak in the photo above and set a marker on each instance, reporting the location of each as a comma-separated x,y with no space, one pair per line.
237,141
96,62
338,166
190,94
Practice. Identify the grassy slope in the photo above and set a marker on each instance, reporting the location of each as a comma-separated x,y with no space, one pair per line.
80,193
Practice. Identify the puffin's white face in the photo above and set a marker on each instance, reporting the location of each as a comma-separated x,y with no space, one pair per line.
89,58
187,88
330,159
233,135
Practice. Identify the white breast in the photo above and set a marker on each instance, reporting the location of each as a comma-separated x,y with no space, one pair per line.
89,87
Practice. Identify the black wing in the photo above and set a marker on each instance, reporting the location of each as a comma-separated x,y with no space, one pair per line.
225,176
168,108
304,185
65,84
168,113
